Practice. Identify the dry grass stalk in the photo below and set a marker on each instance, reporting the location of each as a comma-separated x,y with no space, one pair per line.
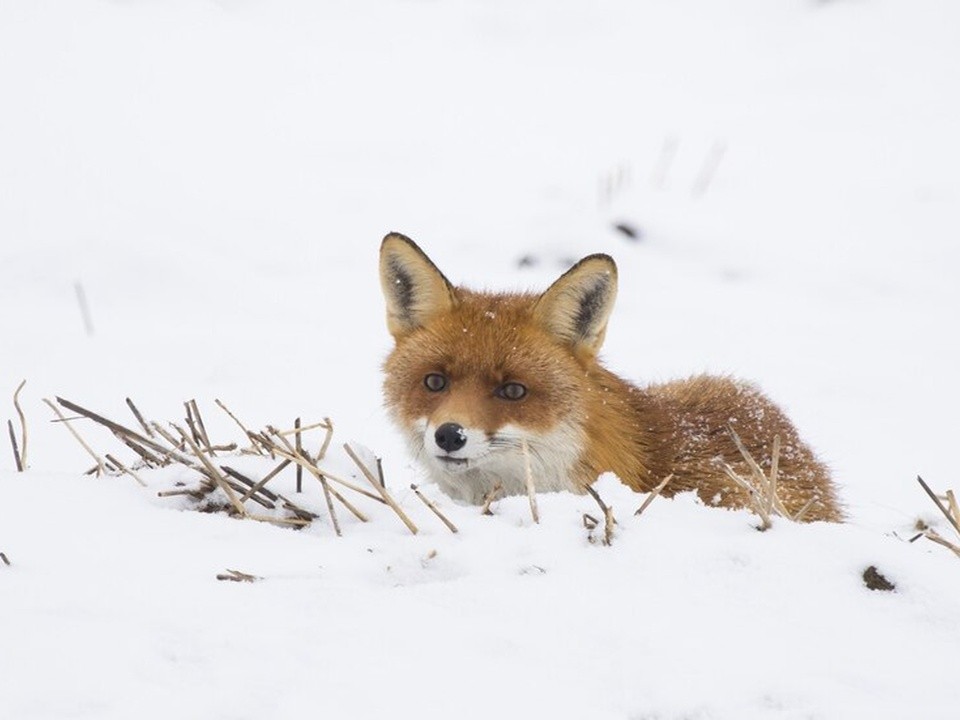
528,476
654,494
952,504
490,497
300,512
22,464
214,474
434,508
259,485
139,417
326,440
763,490
954,521
123,468
298,444
100,466
297,429
237,576
933,535
148,458
246,433
197,493
608,519
323,477
380,489
759,506
16,450
323,481
201,427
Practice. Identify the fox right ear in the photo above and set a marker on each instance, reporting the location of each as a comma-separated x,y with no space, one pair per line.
415,290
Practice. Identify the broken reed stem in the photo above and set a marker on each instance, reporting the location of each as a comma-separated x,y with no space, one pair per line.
434,508
212,471
299,446
326,439
490,497
298,429
16,450
952,504
320,477
380,489
139,417
608,519
528,476
653,494
933,496
201,427
774,469
933,535
23,427
312,467
246,433
755,499
123,468
97,458
258,487
4,559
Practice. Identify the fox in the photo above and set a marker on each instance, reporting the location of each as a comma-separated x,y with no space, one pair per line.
486,387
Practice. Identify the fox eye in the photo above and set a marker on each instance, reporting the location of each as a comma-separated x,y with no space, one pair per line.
511,391
435,382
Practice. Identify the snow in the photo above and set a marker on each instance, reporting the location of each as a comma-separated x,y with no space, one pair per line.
216,177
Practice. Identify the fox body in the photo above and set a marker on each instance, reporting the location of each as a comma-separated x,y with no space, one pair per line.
485,384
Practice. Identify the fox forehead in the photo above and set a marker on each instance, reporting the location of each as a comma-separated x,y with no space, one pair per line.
489,337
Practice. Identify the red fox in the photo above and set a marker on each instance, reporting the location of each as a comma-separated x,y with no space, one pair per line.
476,381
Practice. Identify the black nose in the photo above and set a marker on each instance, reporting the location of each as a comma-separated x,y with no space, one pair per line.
450,437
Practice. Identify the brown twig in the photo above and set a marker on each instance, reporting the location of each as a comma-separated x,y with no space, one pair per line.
247,434
201,427
323,481
258,486
326,439
125,469
139,417
212,471
16,450
4,559
97,458
755,498
608,519
237,576
952,504
23,426
325,424
490,497
654,494
380,489
434,508
932,534
933,496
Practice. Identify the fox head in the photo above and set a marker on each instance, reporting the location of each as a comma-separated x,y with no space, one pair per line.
484,384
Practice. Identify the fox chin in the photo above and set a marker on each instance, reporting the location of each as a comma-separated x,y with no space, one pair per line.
487,387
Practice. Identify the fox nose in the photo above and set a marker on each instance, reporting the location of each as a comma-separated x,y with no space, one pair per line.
450,437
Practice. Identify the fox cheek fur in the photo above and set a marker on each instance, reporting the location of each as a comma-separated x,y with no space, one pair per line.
481,383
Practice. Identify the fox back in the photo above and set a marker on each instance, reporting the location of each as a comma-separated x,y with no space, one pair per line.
485,384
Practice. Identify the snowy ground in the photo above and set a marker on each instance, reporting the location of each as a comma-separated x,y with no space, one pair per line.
217,177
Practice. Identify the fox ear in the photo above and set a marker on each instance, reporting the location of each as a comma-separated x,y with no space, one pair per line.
414,288
575,309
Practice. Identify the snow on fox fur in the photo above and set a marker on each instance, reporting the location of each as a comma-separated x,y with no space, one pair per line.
477,380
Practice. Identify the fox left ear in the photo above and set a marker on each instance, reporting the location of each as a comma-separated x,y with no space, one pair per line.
575,309
415,290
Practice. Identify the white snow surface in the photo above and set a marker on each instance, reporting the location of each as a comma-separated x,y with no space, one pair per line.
216,176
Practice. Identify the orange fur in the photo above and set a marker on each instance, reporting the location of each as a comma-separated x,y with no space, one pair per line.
579,419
